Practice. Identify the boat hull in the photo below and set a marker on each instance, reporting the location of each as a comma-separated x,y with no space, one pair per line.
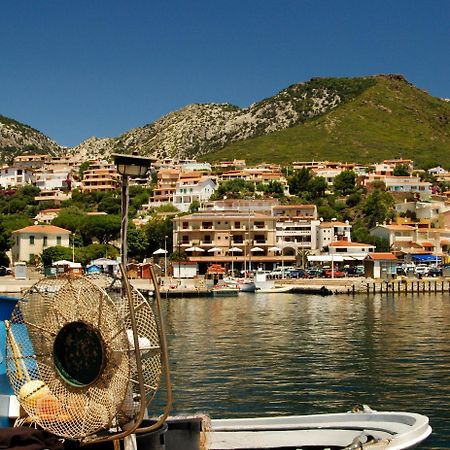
369,430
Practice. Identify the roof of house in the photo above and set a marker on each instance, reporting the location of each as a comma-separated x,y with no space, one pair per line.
349,244
47,229
397,227
382,256
334,223
283,207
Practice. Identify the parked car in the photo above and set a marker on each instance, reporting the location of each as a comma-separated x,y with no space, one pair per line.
315,272
299,273
5,271
337,273
434,272
421,269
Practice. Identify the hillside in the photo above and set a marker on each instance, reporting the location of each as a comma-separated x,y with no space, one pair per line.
362,119
18,139
392,118
201,128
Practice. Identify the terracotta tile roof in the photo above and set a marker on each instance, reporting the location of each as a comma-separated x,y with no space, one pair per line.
334,224
398,227
349,244
294,207
385,255
48,229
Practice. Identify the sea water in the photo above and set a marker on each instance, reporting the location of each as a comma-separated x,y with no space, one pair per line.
284,354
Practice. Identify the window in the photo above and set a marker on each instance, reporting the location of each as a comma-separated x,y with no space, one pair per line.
58,240
237,224
185,225
44,243
31,240
207,239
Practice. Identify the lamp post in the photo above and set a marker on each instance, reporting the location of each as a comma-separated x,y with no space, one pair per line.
128,166
165,256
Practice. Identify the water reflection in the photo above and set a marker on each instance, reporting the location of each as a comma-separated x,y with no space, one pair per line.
293,354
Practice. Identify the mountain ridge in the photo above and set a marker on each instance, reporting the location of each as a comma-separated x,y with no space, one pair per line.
219,131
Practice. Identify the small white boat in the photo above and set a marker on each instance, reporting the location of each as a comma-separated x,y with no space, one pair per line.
365,430
243,284
274,289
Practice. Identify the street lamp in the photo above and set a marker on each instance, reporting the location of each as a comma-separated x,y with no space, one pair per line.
128,166
165,255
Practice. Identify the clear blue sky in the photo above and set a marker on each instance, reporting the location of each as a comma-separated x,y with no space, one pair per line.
79,68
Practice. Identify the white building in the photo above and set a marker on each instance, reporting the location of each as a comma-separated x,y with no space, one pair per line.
13,176
193,189
333,231
52,178
350,250
31,241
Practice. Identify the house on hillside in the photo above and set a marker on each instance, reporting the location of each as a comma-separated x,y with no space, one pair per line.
31,241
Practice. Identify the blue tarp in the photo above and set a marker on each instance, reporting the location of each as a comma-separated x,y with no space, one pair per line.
426,258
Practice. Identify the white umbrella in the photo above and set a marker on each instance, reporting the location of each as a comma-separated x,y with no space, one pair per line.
235,249
256,249
160,251
62,262
274,249
214,249
194,249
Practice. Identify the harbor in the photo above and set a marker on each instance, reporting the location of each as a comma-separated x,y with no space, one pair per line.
307,354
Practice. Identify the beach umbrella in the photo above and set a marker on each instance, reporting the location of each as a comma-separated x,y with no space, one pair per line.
274,249
194,249
214,249
62,262
235,249
160,251
256,249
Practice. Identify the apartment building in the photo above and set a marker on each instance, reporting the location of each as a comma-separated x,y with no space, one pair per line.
100,179
242,238
56,196
296,228
13,176
191,187
166,186
31,161
333,231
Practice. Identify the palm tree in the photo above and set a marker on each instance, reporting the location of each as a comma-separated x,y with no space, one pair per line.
302,257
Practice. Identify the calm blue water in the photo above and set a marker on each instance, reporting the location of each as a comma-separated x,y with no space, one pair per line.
265,354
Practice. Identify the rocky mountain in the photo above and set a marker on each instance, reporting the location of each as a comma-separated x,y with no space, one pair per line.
363,119
201,128
17,138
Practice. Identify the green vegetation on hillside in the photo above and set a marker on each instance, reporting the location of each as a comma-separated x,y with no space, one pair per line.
389,119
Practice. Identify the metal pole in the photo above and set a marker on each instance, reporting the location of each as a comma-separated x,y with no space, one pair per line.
165,256
124,223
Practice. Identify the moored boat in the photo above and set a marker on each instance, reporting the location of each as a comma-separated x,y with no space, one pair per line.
274,289
362,429
243,284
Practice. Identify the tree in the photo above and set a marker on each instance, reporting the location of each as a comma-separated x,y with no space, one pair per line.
344,183
317,187
109,205
103,228
137,243
194,206
56,253
377,207
156,230
70,219
238,188
299,181
401,170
